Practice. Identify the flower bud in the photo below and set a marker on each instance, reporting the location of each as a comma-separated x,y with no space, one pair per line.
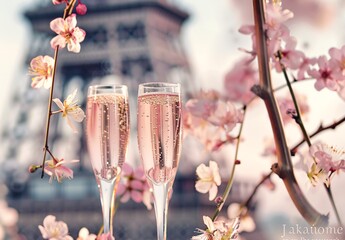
219,200
81,8
33,168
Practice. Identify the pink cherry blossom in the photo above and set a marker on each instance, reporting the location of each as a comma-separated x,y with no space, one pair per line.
41,68
337,62
68,33
218,230
187,122
324,75
287,107
9,216
228,228
206,133
237,210
239,80
208,179
226,115
249,30
275,29
210,107
291,58
328,157
191,123
275,19
202,108
338,55
210,233
70,110
317,175
56,168
84,234
317,13
211,136
276,16
341,91
305,66
204,103
133,184
54,230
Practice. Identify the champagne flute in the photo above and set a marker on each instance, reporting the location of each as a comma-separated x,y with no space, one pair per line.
159,139
107,130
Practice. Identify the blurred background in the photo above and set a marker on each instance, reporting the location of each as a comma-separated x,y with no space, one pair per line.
195,43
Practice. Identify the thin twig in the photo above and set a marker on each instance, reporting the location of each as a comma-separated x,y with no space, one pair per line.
67,11
50,153
232,174
330,196
298,116
49,112
280,87
319,130
249,199
291,82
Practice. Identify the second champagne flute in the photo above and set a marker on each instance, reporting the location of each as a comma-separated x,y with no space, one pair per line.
107,129
159,139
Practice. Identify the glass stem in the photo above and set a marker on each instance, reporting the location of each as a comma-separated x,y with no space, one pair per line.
107,192
161,202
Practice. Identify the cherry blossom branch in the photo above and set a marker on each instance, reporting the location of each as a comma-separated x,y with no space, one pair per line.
69,8
299,121
232,174
258,185
68,11
280,88
49,112
297,116
330,196
50,153
319,130
291,82
265,91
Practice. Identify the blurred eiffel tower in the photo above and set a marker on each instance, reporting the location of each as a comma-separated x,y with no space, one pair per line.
127,41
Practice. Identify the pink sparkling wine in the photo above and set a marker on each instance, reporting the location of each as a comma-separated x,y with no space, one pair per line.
159,135
107,130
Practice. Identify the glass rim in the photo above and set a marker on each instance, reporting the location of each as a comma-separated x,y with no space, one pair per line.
107,86
101,89
159,84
